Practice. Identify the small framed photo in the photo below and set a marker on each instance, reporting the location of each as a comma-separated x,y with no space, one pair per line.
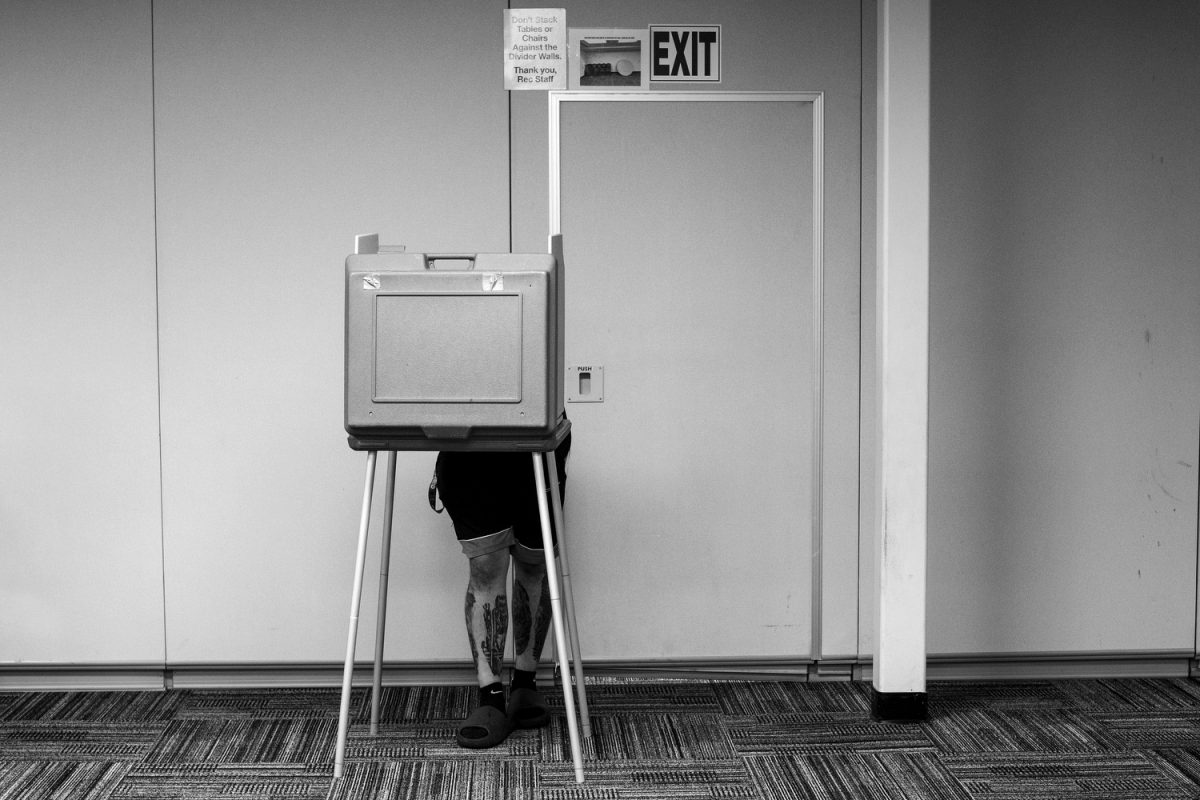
607,59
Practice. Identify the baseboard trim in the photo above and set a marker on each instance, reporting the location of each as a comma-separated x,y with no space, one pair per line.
242,675
1050,666
1061,666
319,676
81,678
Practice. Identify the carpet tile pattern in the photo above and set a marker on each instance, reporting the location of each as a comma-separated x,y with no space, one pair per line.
652,739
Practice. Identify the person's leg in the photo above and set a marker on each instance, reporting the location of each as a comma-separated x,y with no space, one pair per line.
531,587
531,623
486,616
531,611
486,613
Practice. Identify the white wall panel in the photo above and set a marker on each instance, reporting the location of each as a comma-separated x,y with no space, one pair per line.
1065,364
80,555
284,129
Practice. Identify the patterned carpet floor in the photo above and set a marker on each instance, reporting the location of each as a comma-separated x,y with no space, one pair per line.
767,740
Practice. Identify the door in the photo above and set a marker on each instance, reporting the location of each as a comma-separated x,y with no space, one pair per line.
691,225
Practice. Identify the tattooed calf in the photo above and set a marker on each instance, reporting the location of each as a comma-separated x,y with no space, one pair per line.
522,618
495,626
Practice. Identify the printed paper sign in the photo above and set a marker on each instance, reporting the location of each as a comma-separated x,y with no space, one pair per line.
685,53
535,48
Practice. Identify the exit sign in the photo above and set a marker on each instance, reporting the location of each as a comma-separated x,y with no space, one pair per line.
685,53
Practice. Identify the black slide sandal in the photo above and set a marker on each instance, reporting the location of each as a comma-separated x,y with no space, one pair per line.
487,726
526,709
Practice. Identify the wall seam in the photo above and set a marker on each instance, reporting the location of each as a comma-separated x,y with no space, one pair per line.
162,500
1196,595
508,101
858,553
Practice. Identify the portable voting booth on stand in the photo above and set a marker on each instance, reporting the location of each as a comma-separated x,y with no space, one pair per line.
465,358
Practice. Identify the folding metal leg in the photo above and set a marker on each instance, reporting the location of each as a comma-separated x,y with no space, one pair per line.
356,597
569,598
381,623
560,638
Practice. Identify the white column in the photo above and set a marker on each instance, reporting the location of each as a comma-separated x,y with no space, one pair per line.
902,305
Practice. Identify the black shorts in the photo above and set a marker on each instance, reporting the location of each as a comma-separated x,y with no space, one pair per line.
492,500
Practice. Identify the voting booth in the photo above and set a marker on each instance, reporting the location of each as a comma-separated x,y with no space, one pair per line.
453,349
458,352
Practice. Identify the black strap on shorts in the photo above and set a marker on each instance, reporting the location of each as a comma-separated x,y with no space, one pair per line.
433,498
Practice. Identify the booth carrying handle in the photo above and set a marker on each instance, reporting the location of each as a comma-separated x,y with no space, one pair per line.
468,257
